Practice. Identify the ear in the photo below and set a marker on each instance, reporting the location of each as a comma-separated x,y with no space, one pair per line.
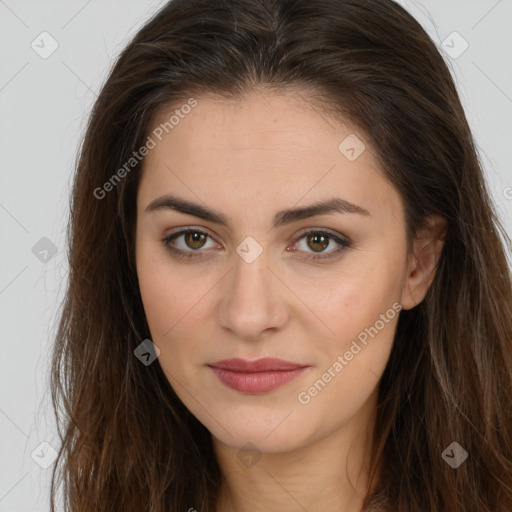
422,263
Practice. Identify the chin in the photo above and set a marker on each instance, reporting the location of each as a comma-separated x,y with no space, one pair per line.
267,437
256,442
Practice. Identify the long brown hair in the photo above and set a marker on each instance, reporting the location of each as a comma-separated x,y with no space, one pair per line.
128,442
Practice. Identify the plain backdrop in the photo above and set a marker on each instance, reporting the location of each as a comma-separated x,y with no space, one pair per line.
45,99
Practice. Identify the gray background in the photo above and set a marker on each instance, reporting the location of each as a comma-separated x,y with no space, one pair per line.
44,107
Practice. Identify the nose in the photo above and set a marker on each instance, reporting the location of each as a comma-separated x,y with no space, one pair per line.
254,300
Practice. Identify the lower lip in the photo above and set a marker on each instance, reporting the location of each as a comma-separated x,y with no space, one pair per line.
256,382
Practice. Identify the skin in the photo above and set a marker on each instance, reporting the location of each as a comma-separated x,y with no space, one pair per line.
248,159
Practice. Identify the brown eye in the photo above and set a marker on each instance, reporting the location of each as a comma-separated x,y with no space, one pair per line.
194,239
318,242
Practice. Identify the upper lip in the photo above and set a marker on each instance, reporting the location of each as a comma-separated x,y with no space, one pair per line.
260,365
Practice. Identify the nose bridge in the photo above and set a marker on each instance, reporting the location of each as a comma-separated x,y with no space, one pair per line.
250,281
252,301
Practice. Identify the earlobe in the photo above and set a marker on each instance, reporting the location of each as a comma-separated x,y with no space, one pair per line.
427,248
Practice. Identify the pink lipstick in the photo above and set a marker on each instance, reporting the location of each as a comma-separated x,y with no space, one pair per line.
256,377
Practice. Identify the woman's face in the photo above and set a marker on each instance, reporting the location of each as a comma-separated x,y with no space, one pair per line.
248,287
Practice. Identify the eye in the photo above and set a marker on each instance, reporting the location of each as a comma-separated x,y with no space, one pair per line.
316,239
319,240
193,238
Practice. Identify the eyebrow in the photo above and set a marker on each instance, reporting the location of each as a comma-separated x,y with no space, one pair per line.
334,205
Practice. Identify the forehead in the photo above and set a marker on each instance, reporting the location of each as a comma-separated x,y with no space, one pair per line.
261,119
278,147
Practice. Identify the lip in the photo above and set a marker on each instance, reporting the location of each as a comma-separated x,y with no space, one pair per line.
265,364
256,377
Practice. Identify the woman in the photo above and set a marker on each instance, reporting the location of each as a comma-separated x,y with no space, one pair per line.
287,286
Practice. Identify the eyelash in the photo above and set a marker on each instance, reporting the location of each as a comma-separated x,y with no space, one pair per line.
344,243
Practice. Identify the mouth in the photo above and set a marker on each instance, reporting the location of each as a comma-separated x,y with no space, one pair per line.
256,377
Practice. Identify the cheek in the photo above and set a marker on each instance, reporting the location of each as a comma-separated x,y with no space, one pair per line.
352,300
351,361
173,307
364,313
163,291
165,309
